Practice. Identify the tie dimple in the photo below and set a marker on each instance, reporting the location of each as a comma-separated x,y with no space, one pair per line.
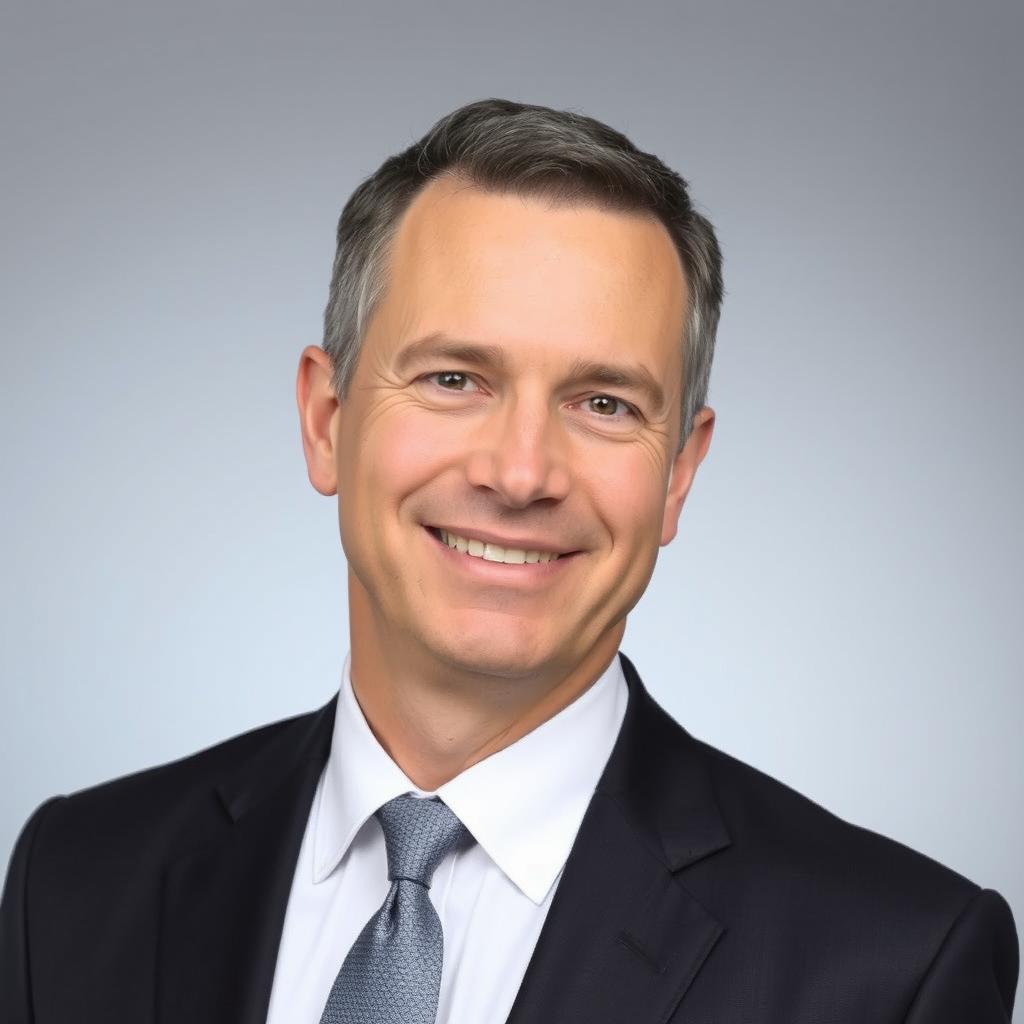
392,974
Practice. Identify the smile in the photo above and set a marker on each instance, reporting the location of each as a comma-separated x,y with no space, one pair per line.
492,552
489,562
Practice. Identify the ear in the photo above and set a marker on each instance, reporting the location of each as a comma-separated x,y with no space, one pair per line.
317,407
684,467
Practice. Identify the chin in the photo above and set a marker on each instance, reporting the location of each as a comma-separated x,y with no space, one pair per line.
507,656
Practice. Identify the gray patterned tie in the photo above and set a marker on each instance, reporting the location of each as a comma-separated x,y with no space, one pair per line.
392,974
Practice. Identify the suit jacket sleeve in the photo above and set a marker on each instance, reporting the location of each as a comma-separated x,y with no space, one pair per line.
973,976
15,983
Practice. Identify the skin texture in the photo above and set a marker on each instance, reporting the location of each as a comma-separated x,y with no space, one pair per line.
449,665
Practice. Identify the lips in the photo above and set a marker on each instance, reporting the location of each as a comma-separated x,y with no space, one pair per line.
471,540
490,561
509,555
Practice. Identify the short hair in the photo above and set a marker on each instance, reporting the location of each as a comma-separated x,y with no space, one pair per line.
534,151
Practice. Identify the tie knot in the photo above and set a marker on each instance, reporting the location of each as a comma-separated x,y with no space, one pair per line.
418,833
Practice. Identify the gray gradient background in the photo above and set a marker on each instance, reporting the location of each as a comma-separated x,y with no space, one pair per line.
842,607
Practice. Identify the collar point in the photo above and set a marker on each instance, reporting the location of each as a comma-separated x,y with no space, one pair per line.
537,890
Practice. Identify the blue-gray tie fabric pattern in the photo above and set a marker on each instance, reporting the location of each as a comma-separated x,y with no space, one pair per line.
392,974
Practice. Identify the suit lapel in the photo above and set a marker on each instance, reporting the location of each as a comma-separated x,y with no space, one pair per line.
624,939
225,896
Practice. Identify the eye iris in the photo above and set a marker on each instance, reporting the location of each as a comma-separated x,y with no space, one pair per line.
606,400
447,376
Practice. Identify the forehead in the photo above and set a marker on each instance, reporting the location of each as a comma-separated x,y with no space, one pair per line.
521,272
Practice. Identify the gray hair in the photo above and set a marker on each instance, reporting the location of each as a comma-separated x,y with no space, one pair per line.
528,150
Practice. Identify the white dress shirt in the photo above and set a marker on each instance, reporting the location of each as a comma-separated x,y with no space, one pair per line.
523,804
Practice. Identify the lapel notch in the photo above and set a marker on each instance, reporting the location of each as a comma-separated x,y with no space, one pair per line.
226,892
624,939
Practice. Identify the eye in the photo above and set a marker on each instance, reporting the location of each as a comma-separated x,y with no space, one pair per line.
606,406
450,380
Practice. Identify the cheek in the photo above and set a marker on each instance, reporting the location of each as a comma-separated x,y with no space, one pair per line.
629,495
393,457
383,463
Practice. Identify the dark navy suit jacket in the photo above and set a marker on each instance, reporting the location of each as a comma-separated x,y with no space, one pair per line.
698,891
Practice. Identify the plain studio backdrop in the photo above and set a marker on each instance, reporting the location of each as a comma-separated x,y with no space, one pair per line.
842,607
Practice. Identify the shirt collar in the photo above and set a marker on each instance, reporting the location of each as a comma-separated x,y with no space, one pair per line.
523,804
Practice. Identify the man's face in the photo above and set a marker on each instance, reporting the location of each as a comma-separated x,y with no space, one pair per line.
478,408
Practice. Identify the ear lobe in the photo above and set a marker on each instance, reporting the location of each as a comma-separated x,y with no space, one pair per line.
317,405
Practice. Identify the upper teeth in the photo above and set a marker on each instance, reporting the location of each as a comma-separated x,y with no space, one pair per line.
495,552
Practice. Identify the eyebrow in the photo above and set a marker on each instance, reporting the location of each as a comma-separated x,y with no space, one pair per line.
440,346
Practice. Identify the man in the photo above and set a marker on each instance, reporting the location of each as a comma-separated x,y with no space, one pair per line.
494,820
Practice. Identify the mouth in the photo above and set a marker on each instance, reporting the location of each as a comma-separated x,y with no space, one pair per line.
477,550
510,554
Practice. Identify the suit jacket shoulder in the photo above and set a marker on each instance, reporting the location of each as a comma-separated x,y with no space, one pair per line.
143,814
106,906
855,905
804,845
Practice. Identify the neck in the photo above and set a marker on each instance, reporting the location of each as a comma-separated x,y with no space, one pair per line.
434,718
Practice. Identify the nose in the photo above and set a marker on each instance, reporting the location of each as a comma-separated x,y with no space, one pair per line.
520,455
